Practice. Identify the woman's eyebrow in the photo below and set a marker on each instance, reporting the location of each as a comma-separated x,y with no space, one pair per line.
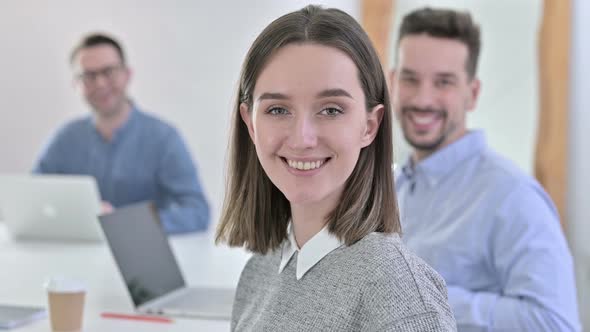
323,94
272,95
334,93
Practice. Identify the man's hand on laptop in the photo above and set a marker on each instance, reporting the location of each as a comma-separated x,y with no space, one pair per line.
106,208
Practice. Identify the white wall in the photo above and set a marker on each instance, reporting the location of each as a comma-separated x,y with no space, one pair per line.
186,56
508,104
579,158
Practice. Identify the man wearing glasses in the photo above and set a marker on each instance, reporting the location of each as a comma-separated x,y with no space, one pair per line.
133,155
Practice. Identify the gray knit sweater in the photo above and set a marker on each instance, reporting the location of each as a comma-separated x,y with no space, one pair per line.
373,285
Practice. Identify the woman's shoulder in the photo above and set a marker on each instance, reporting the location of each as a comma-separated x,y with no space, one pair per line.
398,279
391,259
260,264
381,250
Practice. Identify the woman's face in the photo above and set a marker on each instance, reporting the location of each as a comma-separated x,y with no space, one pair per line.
309,122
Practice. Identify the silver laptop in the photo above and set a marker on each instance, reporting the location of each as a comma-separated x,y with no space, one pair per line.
50,207
150,271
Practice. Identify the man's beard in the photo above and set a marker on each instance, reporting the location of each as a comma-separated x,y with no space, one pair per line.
426,146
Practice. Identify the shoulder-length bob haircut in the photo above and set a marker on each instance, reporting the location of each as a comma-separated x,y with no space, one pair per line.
255,213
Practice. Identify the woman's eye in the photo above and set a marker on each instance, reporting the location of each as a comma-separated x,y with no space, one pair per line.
331,111
277,111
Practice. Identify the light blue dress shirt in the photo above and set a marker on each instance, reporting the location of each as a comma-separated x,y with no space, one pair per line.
493,234
146,160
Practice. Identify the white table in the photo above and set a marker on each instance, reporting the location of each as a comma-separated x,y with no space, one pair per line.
25,265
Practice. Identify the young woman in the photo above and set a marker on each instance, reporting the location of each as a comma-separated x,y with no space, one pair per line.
310,189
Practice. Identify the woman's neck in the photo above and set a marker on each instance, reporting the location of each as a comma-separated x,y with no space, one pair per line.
308,220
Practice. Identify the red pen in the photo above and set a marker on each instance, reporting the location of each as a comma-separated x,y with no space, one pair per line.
154,319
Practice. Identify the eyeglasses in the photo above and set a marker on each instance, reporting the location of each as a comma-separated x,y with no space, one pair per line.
89,77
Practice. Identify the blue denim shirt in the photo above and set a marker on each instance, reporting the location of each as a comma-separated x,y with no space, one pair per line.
493,234
145,160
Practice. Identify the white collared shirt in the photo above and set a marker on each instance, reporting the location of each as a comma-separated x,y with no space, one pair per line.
312,252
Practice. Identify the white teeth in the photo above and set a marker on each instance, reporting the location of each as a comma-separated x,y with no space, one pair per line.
305,166
424,120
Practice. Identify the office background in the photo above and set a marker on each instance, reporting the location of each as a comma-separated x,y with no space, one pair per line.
186,56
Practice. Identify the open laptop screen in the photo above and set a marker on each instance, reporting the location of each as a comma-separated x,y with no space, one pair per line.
142,252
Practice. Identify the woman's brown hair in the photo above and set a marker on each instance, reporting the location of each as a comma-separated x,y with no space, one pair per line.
255,213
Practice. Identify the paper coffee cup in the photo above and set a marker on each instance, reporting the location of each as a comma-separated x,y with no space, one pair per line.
66,304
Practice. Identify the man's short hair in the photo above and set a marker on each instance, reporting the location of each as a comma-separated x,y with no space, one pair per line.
445,23
97,39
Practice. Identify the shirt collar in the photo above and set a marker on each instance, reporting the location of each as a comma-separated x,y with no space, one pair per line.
442,162
312,252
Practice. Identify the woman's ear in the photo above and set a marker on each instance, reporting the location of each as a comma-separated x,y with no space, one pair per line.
374,118
247,118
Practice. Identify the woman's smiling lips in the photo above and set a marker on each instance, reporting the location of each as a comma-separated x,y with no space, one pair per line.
307,166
